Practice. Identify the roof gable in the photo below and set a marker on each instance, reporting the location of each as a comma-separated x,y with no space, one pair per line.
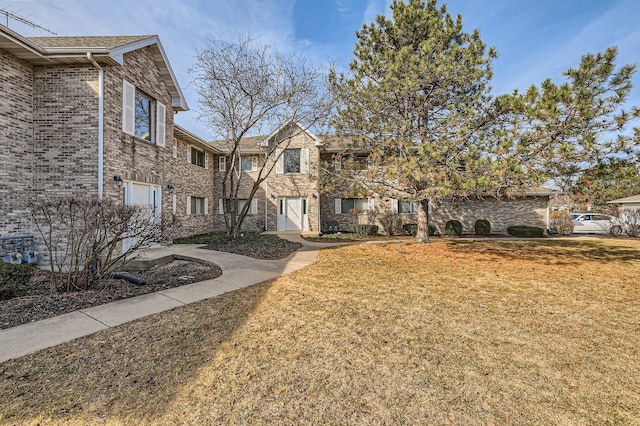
292,122
106,50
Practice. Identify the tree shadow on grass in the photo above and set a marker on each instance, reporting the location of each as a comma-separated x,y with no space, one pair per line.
559,252
129,374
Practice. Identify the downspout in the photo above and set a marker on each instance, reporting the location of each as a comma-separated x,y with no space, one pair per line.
100,125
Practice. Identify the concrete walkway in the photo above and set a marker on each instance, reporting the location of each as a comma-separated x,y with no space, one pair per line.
237,272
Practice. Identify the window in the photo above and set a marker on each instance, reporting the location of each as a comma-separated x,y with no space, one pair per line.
197,157
291,161
145,107
197,205
253,209
143,116
407,207
354,203
295,160
247,164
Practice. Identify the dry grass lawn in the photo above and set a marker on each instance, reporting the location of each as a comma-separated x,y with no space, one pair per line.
468,333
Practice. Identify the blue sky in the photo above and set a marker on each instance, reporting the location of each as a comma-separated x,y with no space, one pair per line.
536,39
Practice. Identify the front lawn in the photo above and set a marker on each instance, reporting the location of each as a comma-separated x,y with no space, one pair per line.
453,332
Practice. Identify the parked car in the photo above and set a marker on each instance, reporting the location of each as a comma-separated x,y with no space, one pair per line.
595,223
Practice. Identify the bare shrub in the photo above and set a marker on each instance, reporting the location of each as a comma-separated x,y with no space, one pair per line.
87,239
630,220
562,223
391,223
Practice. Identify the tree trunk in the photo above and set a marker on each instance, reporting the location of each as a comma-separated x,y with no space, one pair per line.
422,234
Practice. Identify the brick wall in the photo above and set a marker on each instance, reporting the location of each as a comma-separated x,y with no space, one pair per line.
252,222
132,158
276,185
190,180
65,131
16,144
529,211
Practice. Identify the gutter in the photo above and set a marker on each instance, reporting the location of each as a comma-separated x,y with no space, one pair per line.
100,125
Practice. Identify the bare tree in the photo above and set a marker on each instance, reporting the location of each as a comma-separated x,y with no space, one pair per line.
245,89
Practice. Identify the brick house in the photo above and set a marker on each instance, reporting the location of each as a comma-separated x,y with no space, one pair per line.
290,200
94,116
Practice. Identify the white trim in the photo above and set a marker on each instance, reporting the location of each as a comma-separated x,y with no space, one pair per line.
279,162
161,117
304,161
128,108
222,163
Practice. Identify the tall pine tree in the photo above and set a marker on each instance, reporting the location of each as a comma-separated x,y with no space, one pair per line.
417,100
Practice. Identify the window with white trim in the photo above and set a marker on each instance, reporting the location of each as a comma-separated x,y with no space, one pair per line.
197,157
253,208
247,164
292,160
344,205
197,205
407,207
142,115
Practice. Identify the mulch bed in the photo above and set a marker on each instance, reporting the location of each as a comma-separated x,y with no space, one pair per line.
41,303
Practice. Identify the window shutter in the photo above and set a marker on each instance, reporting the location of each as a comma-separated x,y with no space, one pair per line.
161,113
394,206
371,205
188,204
254,163
304,161
128,107
206,206
175,148
188,153
254,206
206,160
174,202
220,206
279,162
222,164
337,163
338,205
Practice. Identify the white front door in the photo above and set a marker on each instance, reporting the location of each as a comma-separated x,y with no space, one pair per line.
149,196
292,214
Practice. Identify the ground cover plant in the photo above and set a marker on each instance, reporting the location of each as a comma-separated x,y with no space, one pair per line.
252,244
454,332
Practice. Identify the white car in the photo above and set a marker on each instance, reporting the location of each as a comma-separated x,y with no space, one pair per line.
595,223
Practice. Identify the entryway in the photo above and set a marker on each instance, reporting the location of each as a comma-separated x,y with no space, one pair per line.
139,194
292,214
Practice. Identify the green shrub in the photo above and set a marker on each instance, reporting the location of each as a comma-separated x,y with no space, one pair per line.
365,229
525,231
14,280
482,227
412,229
453,227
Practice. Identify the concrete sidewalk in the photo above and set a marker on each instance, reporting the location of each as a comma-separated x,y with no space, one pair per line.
237,272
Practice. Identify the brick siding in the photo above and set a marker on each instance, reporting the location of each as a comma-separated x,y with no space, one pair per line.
16,144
